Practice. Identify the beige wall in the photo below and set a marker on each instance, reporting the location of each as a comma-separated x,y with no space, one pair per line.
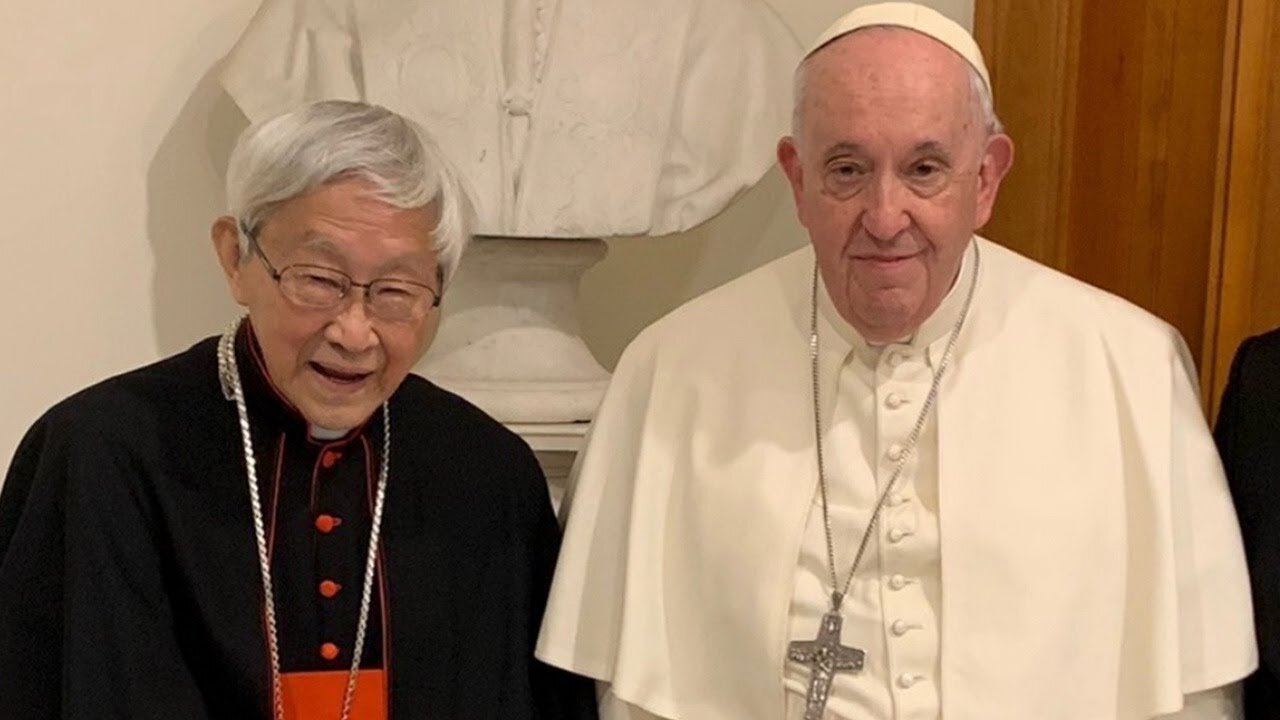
644,278
110,128
114,138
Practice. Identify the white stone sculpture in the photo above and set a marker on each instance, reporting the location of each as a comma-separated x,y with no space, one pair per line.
572,119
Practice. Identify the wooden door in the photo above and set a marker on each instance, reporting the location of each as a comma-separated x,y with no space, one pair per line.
1245,277
1148,136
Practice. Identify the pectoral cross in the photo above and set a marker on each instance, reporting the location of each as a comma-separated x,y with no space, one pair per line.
824,656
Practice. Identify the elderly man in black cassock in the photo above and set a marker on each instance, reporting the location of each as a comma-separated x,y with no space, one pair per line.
283,522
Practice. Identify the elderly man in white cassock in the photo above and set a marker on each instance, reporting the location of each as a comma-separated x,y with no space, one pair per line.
904,472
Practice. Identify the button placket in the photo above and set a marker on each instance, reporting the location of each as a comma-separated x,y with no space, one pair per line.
898,515
340,488
903,382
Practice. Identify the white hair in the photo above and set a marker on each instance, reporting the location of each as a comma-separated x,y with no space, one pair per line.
981,96
279,159
986,103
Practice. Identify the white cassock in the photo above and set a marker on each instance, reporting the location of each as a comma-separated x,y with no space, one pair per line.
569,118
1060,547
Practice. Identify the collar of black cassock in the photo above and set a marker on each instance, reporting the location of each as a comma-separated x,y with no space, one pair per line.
268,407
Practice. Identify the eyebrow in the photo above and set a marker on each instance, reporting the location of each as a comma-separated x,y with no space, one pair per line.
927,147
314,241
317,242
407,264
931,147
841,148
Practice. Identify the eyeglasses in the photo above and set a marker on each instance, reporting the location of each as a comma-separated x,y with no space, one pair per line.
324,288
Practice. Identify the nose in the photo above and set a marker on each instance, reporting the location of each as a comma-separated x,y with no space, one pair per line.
885,216
352,329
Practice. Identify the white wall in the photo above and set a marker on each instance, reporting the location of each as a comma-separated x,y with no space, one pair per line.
114,138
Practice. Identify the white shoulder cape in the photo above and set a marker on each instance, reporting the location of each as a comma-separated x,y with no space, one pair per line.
1092,566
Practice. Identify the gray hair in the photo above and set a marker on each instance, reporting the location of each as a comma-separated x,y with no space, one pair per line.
292,154
978,87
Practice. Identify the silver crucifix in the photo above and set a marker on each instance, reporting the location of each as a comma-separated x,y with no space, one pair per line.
824,656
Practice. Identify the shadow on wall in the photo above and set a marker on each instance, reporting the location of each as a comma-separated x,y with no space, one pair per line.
643,279
185,193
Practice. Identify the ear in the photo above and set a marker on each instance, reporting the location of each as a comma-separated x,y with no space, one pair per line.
996,161
789,159
226,243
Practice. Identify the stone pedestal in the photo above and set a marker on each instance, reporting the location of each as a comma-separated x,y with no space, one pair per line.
511,342
557,446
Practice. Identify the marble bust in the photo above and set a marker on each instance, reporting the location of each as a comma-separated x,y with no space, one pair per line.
570,118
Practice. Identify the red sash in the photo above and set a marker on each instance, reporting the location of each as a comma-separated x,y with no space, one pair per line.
318,695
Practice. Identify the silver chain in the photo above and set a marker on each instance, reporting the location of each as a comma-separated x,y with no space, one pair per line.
229,375
838,591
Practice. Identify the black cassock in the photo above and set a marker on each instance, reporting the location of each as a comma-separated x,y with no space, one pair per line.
129,576
1250,448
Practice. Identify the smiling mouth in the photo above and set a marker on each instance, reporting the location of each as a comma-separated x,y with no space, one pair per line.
883,260
343,377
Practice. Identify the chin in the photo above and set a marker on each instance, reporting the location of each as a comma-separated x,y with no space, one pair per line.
893,307
345,418
891,321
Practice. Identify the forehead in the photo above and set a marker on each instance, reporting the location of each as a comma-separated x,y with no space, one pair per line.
349,212
886,83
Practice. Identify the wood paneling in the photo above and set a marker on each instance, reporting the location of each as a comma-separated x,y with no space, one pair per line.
1248,277
1213,302
1115,108
1145,156
1030,48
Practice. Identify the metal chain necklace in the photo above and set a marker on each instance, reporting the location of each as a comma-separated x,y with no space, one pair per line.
229,376
824,655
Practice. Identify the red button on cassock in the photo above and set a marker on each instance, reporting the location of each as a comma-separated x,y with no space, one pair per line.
329,588
326,523
329,651
329,458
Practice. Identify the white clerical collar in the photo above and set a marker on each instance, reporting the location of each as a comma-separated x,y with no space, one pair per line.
934,328
320,433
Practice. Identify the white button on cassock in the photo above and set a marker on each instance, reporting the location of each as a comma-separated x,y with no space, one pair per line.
896,535
897,582
906,680
900,627
894,452
893,401
895,499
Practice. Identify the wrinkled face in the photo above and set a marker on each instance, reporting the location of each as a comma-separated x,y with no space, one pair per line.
336,365
892,172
